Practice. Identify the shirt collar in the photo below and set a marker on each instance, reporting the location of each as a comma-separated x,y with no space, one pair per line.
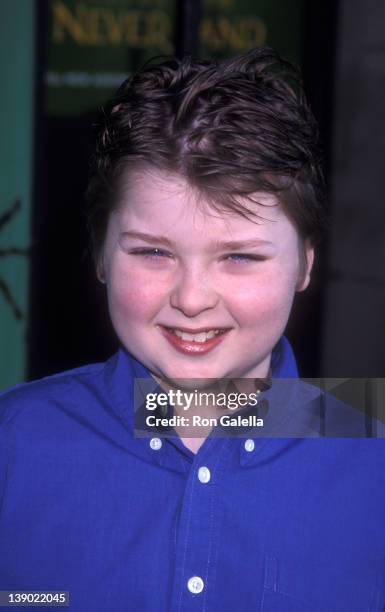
283,363
122,370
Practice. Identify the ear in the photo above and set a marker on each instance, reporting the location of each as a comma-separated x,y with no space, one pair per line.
100,272
307,256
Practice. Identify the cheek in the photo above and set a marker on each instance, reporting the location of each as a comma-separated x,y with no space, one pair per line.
133,294
263,302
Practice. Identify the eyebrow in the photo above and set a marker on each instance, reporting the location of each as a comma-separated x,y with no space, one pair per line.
232,244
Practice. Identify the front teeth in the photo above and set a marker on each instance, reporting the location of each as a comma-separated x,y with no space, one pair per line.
202,337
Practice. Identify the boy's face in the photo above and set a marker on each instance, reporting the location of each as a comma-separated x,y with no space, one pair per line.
171,266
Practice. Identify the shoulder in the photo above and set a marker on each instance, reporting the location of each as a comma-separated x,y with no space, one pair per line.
51,420
38,395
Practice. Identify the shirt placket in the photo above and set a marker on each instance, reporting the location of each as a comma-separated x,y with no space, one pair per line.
198,529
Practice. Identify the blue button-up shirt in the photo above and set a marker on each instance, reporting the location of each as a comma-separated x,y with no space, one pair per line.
145,525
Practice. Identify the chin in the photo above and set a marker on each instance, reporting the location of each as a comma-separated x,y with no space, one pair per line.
192,378
190,384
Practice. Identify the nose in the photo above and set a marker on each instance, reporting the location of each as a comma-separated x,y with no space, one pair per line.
193,293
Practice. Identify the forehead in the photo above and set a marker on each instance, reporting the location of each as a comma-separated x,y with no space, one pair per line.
166,203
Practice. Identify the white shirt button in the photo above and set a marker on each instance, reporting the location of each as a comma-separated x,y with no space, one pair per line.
156,443
204,474
249,445
195,584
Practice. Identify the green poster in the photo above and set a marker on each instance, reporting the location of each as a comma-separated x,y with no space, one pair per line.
230,27
16,115
94,45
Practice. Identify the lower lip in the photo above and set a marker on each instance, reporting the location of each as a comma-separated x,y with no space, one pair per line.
187,347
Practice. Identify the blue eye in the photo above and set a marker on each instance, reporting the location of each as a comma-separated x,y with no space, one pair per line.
244,257
150,253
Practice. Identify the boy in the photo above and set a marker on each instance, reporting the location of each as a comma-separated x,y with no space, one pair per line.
205,205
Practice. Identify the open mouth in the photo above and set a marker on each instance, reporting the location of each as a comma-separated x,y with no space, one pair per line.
194,341
201,336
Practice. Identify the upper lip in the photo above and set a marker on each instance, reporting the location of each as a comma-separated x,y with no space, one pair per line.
198,330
